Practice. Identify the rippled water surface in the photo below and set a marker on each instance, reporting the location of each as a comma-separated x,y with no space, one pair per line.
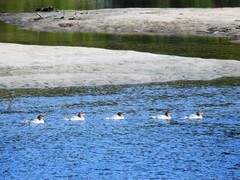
137,147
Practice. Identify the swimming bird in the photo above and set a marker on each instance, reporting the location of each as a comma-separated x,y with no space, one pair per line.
198,115
166,116
79,117
39,120
119,116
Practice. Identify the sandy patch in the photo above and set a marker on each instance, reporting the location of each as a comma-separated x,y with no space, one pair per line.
222,22
31,66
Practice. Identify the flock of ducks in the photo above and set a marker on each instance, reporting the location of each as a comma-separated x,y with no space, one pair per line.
118,116
167,116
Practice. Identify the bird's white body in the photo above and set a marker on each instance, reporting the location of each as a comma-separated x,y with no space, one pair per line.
193,116
115,117
75,118
34,121
163,117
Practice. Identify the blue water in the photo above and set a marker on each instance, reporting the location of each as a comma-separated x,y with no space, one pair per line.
134,148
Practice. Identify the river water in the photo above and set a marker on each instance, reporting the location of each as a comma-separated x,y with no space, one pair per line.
137,147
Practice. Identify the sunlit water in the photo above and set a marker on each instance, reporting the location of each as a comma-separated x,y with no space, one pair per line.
137,147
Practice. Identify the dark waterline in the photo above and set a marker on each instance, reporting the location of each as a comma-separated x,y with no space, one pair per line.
31,5
190,46
112,89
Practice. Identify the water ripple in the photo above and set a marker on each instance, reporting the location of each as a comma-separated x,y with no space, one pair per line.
137,147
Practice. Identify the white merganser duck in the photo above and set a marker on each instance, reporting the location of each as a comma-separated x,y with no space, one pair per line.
198,115
167,116
79,117
119,116
39,120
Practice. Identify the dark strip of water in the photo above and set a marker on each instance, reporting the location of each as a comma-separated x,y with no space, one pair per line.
190,46
112,89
